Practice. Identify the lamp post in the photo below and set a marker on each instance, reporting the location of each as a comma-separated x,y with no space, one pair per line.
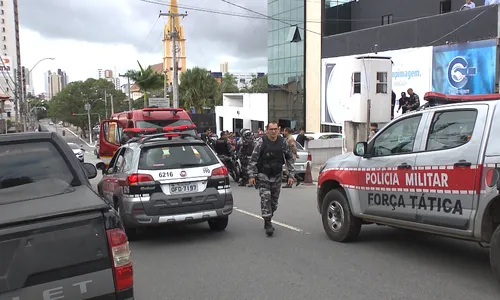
24,100
87,108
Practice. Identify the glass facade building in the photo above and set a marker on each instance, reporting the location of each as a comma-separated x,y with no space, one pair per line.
286,63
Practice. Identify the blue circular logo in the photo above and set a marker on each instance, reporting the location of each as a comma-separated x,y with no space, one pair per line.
457,72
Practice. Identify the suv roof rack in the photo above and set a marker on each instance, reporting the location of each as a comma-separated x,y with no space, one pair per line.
145,138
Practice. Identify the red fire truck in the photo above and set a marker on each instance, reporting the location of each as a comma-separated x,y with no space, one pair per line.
124,125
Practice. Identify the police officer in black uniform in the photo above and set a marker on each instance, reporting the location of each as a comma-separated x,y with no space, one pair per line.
224,150
244,149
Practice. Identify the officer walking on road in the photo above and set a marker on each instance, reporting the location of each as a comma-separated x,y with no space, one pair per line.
266,171
245,149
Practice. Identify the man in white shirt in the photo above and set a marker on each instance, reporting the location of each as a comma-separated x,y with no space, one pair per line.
468,5
491,2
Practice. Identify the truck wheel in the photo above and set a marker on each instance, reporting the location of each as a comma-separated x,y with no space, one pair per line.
495,253
218,224
130,232
339,223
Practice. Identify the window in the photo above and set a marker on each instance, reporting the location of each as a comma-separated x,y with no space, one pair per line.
1,3
161,123
386,19
3,21
445,7
176,156
398,138
4,47
356,81
293,35
3,29
451,129
381,83
33,170
3,12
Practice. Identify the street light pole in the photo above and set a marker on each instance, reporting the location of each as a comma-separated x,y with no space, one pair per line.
23,95
87,108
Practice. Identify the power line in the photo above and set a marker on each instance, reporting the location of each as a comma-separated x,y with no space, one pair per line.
152,28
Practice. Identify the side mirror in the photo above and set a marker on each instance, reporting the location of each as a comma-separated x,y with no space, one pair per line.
100,166
91,170
360,149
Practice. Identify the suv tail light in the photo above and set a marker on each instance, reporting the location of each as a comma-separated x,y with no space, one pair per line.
135,179
221,171
122,262
309,156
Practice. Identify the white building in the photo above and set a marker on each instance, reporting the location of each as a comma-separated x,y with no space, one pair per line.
240,111
245,79
8,54
54,84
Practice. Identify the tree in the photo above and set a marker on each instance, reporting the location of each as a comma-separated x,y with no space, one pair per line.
147,79
198,89
37,107
72,99
257,85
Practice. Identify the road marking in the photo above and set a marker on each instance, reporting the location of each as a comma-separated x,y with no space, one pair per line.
78,137
274,222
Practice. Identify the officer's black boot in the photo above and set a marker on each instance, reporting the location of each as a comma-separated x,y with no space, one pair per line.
243,182
268,226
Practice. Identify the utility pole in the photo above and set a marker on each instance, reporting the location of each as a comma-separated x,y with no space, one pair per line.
112,105
19,79
173,35
128,84
106,102
87,108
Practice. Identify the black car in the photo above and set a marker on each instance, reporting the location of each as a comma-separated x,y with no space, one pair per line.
58,238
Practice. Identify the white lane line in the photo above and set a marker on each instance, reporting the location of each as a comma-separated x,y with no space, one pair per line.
274,222
76,135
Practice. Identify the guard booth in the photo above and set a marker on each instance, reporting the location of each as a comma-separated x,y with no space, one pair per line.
370,100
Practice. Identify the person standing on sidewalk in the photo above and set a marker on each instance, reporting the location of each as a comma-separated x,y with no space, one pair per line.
287,133
265,171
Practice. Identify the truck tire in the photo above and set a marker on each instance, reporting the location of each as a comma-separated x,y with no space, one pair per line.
218,224
339,223
495,253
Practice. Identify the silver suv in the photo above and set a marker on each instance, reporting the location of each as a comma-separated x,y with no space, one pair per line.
167,178
436,170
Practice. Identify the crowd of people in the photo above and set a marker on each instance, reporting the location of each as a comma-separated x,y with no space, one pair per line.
240,145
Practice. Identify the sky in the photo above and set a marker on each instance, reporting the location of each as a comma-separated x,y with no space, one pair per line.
86,35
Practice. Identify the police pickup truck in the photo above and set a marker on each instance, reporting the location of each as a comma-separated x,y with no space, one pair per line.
435,170
58,238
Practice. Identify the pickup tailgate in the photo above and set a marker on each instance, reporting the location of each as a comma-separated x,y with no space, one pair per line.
51,257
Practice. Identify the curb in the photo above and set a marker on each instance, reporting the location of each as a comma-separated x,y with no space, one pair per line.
76,135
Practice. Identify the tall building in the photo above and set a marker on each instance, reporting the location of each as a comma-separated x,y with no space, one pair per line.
180,47
28,81
8,62
286,45
64,78
54,84
100,73
224,67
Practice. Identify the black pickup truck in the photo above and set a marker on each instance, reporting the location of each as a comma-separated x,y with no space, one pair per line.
58,238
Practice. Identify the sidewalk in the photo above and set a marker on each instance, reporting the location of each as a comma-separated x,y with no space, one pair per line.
77,132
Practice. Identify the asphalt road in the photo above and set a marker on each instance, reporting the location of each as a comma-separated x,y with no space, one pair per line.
300,262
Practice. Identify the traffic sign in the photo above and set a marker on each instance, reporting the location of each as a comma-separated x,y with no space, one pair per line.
159,102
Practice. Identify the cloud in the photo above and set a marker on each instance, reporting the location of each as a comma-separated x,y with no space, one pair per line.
119,24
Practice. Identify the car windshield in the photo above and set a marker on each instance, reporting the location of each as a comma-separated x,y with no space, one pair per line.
74,146
176,156
161,123
37,169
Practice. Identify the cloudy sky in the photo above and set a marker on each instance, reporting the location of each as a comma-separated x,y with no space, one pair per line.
86,35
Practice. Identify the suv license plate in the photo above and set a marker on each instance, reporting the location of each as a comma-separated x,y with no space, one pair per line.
181,188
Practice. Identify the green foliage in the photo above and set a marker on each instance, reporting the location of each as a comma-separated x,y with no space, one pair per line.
198,89
75,95
35,105
257,85
147,79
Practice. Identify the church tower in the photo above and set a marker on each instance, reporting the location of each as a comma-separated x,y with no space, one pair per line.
174,23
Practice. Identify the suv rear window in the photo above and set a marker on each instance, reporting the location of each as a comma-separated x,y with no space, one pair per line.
176,156
37,167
